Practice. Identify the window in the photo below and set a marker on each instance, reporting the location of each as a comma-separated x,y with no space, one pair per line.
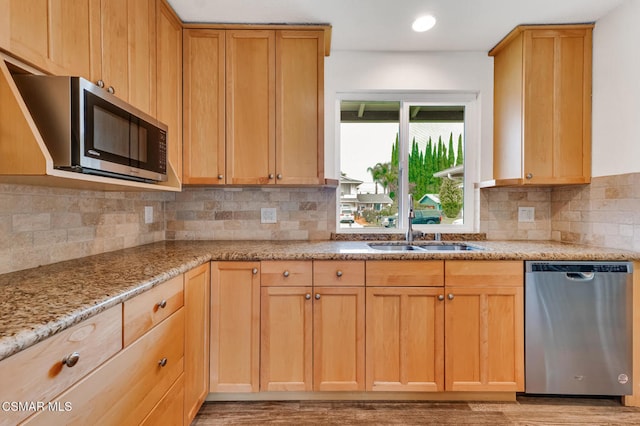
396,145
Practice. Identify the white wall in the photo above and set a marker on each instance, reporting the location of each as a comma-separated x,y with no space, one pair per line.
348,71
616,92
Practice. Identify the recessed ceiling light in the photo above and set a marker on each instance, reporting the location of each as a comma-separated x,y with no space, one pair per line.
423,23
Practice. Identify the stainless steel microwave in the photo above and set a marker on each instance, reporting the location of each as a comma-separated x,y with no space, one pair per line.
88,130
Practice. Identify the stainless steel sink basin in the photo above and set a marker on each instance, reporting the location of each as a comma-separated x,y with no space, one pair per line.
394,247
455,247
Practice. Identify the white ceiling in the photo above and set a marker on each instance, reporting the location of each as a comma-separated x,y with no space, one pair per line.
463,25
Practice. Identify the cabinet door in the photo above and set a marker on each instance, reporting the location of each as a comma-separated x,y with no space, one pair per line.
556,103
169,76
235,327
405,339
113,44
196,336
286,339
204,109
24,32
127,42
300,107
250,76
338,339
69,37
484,345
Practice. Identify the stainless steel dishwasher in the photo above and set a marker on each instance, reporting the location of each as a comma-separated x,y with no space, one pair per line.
578,319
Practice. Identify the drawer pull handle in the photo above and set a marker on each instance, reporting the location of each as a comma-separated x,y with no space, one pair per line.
450,296
162,362
111,90
286,274
254,271
71,359
270,175
338,274
279,176
162,304
307,296
100,84
317,296
220,177
441,297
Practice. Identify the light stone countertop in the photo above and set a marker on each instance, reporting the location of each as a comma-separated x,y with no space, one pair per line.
40,302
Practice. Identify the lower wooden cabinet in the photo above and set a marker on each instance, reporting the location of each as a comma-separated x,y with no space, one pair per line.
235,327
286,334
196,338
338,339
405,339
39,373
127,388
484,326
312,337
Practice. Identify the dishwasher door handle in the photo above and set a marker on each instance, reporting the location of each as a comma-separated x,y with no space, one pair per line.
581,276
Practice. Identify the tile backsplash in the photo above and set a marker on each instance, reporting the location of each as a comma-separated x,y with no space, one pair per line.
604,213
234,213
42,225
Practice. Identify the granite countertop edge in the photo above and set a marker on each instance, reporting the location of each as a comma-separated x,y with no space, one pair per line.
40,302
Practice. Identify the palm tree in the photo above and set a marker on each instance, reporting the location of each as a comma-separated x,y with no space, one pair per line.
384,174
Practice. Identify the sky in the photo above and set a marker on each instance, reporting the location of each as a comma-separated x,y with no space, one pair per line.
362,145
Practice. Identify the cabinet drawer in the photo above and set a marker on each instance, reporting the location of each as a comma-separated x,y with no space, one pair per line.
38,373
338,273
126,389
484,272
143,312
286,273
405,273
169,411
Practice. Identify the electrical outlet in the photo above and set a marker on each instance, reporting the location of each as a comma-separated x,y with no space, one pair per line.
268,215
148,214
526,214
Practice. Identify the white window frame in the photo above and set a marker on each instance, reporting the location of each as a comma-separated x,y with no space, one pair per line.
471,105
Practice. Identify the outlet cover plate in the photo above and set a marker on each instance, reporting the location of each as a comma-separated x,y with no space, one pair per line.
148,214
526,214
268,215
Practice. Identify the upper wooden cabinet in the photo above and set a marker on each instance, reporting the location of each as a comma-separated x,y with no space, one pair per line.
204,111
169,80
124,42
267,87
542,106
50,34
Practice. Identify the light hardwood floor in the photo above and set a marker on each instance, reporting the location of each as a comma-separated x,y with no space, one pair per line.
526,411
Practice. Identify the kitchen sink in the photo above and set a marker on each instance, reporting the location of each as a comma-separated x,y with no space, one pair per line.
436,246
393,247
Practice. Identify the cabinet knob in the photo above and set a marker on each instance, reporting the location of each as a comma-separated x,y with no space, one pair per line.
220,177
162,304
529,176
317,296
441,297
71,359
254,271
338,274
100,84
307,296
286,274
111,90
279,176
270,175
162,362
450,296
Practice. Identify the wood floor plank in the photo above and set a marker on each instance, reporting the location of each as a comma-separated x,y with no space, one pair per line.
526,411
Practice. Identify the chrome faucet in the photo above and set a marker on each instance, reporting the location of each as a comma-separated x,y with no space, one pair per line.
411,216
